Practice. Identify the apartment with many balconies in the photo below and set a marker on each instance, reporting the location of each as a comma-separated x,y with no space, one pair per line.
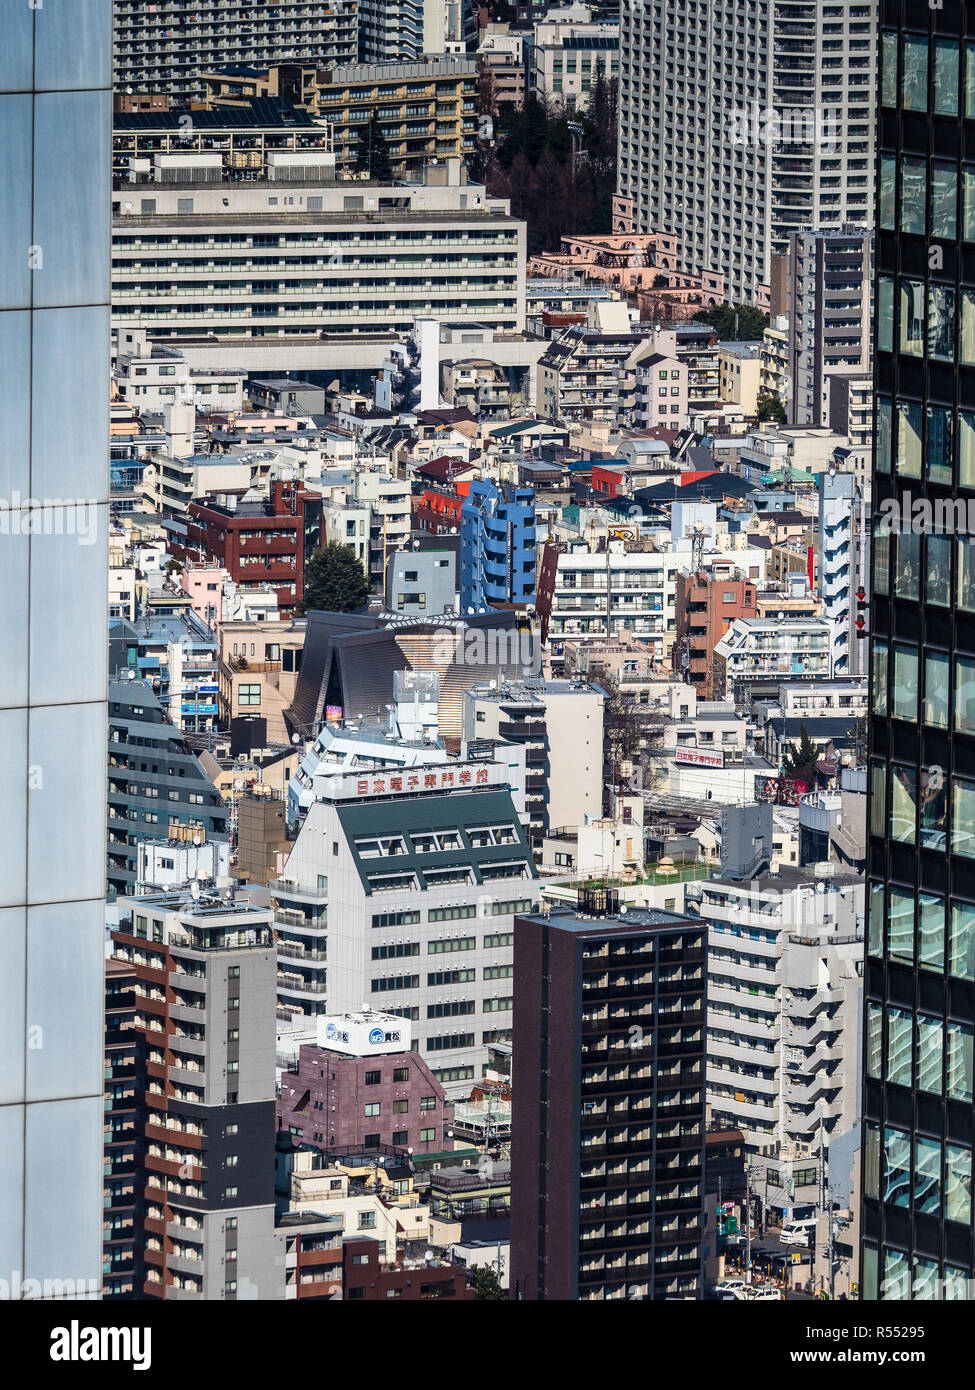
204,1002
741,123
164,46
784,983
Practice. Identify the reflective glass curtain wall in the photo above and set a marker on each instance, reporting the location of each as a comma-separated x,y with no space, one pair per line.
55,172
920,963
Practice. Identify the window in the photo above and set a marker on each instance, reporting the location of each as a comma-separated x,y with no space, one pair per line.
945,77
927,1175
372,1109
450,914
958,1183
963,817
401,1137
394,919
897,1167
937,571
914,78
875,941
428,1102
374,1078
905,684
428,1136
912,326
367,1220
931,932
900,1027
930,1053
961,942
959,1074
395,982
875,1044
966,573
249,695
936,690
903,803
900,927
400,1074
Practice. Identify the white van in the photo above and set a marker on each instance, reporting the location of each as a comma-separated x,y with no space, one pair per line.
797,1232
764,1292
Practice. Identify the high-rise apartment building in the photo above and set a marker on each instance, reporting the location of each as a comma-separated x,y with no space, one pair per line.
203,981
919,978
830,285
55,152
741,123
841,567
607,1183
163,46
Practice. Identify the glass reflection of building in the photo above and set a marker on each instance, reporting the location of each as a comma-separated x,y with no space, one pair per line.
920,967
55,158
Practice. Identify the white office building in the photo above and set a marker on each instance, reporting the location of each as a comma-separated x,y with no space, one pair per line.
411,880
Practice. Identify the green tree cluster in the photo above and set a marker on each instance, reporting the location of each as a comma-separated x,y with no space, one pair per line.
334,581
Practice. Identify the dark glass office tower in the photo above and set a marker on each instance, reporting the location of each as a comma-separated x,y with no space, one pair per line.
920,964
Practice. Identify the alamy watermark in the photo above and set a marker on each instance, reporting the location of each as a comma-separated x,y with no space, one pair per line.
908,514
812,127
49,516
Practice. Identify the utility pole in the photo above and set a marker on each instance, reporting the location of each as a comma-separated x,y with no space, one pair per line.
748,1224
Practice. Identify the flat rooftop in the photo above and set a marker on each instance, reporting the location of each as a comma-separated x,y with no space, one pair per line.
629,919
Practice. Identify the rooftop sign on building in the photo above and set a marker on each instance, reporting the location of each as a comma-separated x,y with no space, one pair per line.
452,777
364,1035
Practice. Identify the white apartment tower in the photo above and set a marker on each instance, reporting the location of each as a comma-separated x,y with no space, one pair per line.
784,990
741,122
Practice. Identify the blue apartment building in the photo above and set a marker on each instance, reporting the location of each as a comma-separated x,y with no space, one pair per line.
497,547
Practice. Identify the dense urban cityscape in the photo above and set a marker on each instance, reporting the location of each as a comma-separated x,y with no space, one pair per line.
534,442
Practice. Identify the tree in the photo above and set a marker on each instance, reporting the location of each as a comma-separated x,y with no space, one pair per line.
334,581
486,1285
372,152
487,100
742,323
800,759
769,407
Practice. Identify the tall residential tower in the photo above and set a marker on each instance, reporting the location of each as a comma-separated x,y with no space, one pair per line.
742,122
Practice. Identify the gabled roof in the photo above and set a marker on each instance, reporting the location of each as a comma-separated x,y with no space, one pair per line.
444,468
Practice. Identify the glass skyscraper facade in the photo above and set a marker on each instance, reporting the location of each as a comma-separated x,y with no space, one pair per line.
919,985
55,171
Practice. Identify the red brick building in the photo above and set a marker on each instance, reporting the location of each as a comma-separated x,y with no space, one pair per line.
258,543
705,608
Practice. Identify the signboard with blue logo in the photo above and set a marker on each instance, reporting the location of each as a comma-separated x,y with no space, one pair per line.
364,1034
